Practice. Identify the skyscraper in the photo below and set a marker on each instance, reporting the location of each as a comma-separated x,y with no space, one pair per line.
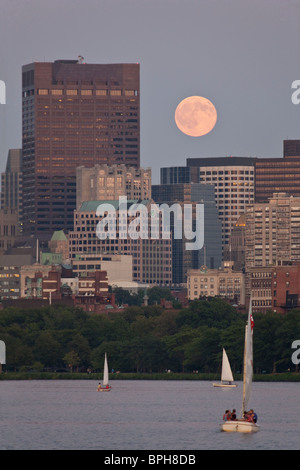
11,181
233,179
278,175
211,253
272,233
103,182
272,237
73,114
11,201
151,255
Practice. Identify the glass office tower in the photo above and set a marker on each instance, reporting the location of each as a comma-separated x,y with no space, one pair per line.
73,114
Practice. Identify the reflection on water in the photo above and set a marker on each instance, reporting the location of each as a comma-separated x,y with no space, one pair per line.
142,415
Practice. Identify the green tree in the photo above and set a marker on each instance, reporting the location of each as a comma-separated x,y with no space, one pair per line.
287,331
265,352
148,354
155,294
71,359
124,297
80,346
201,353
47,350
176,346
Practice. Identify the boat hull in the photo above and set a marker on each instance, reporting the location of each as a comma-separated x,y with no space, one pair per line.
225,385
239,426
103,389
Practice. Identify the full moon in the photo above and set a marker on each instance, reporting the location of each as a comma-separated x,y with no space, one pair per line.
195,116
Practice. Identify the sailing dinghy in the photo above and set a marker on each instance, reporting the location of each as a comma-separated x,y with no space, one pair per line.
226,374
242,425
104,387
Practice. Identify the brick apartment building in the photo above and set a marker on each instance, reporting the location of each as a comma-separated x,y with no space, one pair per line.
275,288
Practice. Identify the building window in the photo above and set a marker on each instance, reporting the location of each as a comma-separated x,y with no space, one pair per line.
101,92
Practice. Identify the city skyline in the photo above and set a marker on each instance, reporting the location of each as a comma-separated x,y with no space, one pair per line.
241,57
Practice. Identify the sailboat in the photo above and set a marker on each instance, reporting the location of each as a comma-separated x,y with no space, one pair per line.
242,425
104,387
226,374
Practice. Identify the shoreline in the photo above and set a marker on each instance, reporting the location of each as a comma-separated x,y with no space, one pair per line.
275,377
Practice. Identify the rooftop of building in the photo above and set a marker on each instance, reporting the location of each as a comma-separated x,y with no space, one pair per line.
221,161
59,235
91,206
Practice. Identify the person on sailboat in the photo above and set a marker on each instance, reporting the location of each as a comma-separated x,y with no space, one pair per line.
253,416
99,386
233,415
227,415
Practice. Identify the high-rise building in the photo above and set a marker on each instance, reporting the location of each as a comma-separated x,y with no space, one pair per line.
11,181
103,182
176,174
278,174
10,266
151,252
8,229
192,194
11,199
235,250
272,232
73,114
233,179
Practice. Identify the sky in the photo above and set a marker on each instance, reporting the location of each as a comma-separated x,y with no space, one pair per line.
242,55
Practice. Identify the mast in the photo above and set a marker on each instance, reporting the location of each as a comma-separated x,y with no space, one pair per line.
248,359
245,373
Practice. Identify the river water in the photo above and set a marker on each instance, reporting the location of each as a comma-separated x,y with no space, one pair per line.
143,415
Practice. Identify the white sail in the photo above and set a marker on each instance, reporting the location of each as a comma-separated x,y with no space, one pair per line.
248,360
243,425
105,372
226,375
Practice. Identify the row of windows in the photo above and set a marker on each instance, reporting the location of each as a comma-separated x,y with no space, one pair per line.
86,92
227,172
264,274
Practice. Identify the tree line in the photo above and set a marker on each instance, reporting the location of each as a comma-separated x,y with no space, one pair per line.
145,338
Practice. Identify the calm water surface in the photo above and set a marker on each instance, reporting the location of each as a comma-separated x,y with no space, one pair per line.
143,415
